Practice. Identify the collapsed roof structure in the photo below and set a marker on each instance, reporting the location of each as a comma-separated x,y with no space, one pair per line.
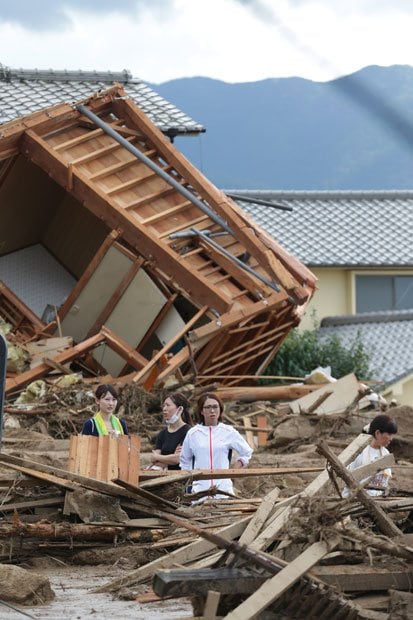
140,260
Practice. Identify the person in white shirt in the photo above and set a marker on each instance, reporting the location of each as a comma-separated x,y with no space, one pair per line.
209,445
382,428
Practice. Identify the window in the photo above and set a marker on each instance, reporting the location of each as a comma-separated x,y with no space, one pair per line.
377,293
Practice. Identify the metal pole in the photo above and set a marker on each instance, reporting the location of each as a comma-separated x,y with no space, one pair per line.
207,237
148,162
3,365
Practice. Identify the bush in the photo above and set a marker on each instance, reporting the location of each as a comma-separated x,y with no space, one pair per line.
302,352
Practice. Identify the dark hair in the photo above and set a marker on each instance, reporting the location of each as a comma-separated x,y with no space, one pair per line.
103,389
181,401
201,403
383,423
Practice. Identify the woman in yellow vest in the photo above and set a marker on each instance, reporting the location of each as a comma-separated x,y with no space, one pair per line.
105,422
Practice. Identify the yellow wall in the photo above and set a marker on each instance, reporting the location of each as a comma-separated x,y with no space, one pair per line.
333,297
402,391
335,294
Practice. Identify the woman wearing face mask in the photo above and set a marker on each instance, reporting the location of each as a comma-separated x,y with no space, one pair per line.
169,441
209,445
382,429
105,422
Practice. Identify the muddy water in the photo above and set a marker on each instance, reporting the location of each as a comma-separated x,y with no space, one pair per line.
74,601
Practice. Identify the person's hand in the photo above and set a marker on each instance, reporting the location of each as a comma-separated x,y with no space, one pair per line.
154,457
239,464
178,449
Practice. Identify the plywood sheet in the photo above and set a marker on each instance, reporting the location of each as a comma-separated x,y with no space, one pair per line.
344,391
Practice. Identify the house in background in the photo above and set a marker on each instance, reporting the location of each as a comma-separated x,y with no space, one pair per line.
23,91
359,244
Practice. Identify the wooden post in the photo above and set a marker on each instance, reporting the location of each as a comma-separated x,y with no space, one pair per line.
385,524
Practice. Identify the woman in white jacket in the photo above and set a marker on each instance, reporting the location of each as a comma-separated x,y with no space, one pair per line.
382,429
209,445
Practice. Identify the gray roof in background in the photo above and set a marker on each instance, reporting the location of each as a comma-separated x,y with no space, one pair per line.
387,338
339,228
25,91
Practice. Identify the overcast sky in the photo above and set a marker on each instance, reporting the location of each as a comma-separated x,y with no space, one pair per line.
230,40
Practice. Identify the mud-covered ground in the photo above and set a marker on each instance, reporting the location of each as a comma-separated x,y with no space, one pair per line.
72,586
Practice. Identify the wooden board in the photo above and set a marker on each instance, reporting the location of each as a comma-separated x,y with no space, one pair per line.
344,391
105,457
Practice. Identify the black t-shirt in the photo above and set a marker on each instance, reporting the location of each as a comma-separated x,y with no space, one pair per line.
168,442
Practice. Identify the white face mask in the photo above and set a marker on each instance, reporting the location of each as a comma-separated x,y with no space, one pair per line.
175,417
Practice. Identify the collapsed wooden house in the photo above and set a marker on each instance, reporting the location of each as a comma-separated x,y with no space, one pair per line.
159,271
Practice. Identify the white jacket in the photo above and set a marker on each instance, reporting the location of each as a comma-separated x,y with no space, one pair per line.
380,479
207,447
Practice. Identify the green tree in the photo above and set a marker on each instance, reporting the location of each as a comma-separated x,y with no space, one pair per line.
303,351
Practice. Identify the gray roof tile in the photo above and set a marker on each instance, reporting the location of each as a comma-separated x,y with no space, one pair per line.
25,91
339,228
387,338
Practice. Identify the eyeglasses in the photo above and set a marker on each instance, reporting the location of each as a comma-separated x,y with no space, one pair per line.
211,407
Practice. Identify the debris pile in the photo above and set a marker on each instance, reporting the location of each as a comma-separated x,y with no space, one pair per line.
288,543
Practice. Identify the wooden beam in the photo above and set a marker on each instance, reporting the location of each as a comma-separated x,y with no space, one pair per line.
120,346
39,371
170,344
386,525
269,392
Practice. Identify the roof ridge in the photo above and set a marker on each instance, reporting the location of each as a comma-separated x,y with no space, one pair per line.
313,193
390,316
8,74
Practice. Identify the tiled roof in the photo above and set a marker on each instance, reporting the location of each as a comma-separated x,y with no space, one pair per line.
338,228
385,336
25,91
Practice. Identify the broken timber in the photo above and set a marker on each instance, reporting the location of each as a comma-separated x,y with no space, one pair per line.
153,222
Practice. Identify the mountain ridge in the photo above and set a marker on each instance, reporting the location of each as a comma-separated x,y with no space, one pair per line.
354,132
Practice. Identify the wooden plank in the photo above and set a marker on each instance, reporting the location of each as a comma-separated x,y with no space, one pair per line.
277,585
123,459
263,434
34,503
134,460
262,513
343,392
92,459
248,434
186,582
211,605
